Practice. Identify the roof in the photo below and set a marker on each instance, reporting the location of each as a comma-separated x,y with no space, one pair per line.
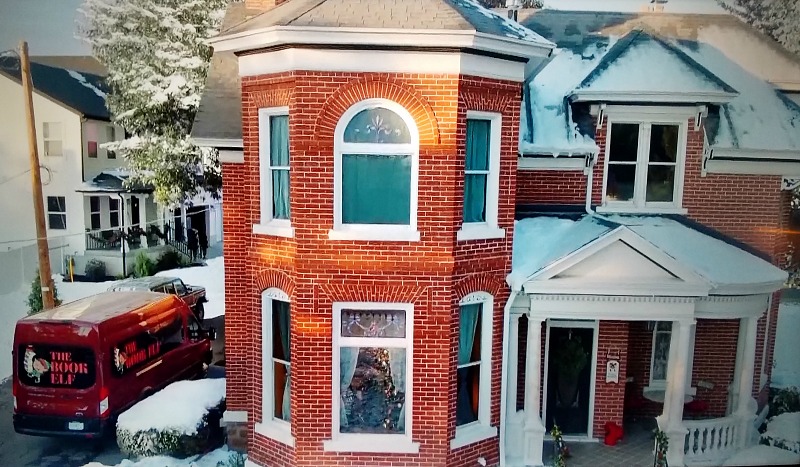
141,283
457,15
112,181
84,93
541,242
79,63
98,308
654,69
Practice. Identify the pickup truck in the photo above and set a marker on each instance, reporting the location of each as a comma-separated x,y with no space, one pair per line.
193,296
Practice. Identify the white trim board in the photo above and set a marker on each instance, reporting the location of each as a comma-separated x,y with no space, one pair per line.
380,61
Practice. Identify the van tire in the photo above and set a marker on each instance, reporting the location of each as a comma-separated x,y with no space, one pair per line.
200,311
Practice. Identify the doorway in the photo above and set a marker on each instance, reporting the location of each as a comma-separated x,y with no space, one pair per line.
569,379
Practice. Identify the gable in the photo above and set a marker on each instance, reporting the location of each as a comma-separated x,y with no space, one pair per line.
618,261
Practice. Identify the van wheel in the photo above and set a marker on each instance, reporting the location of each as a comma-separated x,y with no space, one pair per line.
199,311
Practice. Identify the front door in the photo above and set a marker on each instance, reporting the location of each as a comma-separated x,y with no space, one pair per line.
569,379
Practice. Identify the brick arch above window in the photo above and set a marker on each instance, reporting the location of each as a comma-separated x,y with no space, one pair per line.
388,293
485,100
274,278
372,88
478,283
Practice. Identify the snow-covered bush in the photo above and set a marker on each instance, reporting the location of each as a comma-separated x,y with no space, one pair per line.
35,303
180,420
785,400
95,270
783,432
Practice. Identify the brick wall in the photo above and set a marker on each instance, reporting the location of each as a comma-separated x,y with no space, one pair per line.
432,274
609,397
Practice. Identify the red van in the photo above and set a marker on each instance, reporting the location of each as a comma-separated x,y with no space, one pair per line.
79,365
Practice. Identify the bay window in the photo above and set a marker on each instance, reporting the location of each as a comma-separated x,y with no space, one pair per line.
276,367
375,173
372,353
273,155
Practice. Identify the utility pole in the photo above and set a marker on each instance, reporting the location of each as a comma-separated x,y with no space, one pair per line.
45,276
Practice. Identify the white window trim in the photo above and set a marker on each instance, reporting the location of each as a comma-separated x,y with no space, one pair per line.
378,232
358,442
268,225
110,211
49,212
488,229
279,430
60,138
661,385
645,122
480,429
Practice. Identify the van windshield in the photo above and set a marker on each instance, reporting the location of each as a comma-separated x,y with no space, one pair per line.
51,366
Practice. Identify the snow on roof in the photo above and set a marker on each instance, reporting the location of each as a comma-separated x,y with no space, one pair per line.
763,455
541,241
490,22
179,407
82,79
551,128
672,6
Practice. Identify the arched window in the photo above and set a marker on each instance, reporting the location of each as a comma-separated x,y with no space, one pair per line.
276,367
376,171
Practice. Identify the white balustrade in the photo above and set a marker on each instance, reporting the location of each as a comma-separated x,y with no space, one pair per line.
710,442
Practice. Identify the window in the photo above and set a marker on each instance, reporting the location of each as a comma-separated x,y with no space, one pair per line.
372,352
644,165
274,172
473,379
375,173
92,149
276,367
481,177
94,208
52,135
56,212
111,135
113,212
659,358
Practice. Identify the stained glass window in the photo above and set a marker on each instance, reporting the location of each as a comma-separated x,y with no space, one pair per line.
377,125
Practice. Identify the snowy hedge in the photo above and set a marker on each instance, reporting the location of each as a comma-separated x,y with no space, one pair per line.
180,420
783,431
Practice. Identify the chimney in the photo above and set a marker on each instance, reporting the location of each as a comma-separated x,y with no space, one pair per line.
654,6
261,5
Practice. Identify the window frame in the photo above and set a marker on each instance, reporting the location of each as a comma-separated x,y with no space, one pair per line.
267,224
111,136
372,442
488,229
48,137
269,426
380,232
480,429
661,385
97,213
92,148
645,121
56,213
112,211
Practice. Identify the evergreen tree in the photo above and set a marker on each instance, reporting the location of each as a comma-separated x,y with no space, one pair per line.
35,303
157,62
779,19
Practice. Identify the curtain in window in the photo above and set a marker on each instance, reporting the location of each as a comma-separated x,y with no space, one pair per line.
468,323
376,189
279,157
397,362
348,359
283,323
477,159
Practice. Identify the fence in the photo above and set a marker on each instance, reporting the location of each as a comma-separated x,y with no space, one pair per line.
18,266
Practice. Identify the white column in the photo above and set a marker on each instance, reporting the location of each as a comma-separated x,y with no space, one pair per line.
143,219
671,419
534,428
745,409
514,422
126,220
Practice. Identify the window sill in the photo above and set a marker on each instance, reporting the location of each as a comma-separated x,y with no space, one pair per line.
234,416
399,444
629,209
656,393
277,229
378,233
279,431
479,231
472,433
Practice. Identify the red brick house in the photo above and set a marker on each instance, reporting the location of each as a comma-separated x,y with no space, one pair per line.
445,234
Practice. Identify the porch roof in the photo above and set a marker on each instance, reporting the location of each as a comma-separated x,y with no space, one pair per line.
112,181
545,246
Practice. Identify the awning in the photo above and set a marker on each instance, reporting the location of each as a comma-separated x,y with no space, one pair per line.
112,181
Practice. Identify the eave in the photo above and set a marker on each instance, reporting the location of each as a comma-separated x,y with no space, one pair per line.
704,97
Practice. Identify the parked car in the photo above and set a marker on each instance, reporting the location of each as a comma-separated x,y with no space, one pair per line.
79,365
194,296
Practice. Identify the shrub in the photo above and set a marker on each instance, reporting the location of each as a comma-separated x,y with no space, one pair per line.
35,304
95,270
785,400
236,459
170,259
144,266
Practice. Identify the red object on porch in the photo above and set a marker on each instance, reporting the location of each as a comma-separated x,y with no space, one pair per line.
613,434
696,407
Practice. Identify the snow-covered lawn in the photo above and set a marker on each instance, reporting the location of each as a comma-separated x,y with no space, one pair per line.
763,455
786,371
218,458
784,431
212,277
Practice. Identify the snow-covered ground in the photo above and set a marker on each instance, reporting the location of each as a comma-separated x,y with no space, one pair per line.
216,458
763,455
786,371
784,430
15,306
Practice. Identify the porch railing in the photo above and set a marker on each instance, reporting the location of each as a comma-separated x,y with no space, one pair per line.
104,240
710,442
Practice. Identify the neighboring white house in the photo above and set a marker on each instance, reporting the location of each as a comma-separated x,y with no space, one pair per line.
86,202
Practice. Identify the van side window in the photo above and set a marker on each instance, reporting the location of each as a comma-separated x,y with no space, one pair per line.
169,288
145,347
179,287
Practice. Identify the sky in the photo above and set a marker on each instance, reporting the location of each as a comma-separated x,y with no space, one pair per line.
47,25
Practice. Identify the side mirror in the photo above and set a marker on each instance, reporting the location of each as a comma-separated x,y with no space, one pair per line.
211,333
